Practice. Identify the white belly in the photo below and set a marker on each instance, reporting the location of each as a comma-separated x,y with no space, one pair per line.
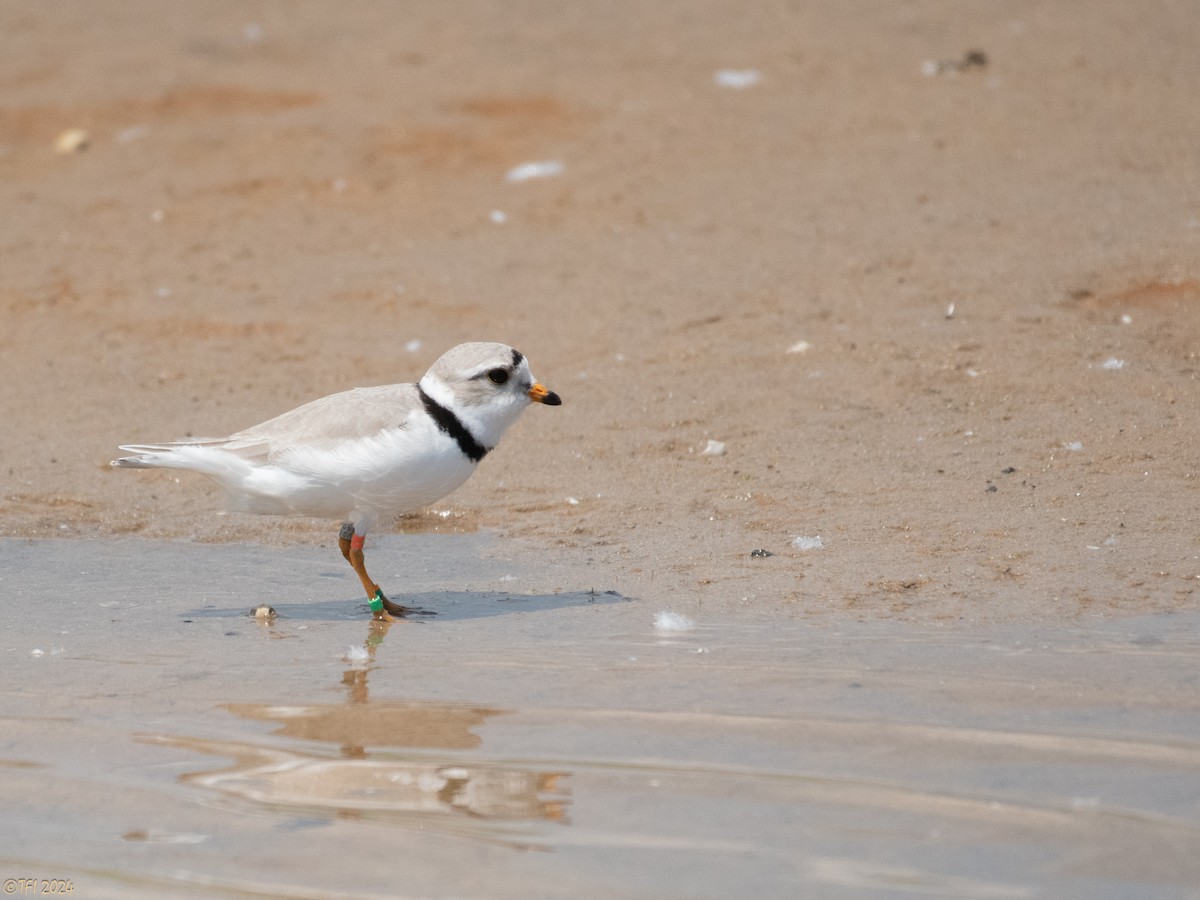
394,472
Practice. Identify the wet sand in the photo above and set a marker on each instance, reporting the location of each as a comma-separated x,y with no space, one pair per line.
929,272
552,743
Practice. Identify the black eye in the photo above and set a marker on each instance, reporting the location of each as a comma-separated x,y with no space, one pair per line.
498,376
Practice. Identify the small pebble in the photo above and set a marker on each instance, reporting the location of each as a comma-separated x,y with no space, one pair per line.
264,612
972,59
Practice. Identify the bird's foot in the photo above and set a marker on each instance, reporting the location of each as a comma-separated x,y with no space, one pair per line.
397,610
387,611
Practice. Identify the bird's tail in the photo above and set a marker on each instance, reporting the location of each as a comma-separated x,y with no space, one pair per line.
196,455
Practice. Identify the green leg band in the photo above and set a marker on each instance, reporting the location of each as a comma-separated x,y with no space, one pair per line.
376,602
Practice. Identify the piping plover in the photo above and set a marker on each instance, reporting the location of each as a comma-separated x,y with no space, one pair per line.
366,453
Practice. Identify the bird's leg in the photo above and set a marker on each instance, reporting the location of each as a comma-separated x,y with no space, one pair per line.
351,544
345,535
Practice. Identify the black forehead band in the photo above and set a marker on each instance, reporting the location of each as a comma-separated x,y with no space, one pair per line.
517,357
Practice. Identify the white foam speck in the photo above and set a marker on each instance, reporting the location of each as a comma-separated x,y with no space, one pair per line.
154,836
288,712
526,171
498,216
132,133
737,78
804,542
185,837
357,655
669,621
713,448
1073,446
1113,363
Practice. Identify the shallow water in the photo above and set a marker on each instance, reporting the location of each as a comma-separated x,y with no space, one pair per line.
157,741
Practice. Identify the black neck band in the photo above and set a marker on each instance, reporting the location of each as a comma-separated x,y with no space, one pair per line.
453,426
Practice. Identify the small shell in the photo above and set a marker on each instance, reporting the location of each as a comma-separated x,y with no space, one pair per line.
72,141
264,613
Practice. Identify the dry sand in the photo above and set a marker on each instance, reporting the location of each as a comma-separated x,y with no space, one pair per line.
275,199
942,310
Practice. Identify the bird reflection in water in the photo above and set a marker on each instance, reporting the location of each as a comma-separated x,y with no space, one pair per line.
391,763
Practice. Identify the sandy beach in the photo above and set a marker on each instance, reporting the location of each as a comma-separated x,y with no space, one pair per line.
877,332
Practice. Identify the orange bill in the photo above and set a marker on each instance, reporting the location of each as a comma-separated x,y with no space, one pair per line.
539,393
